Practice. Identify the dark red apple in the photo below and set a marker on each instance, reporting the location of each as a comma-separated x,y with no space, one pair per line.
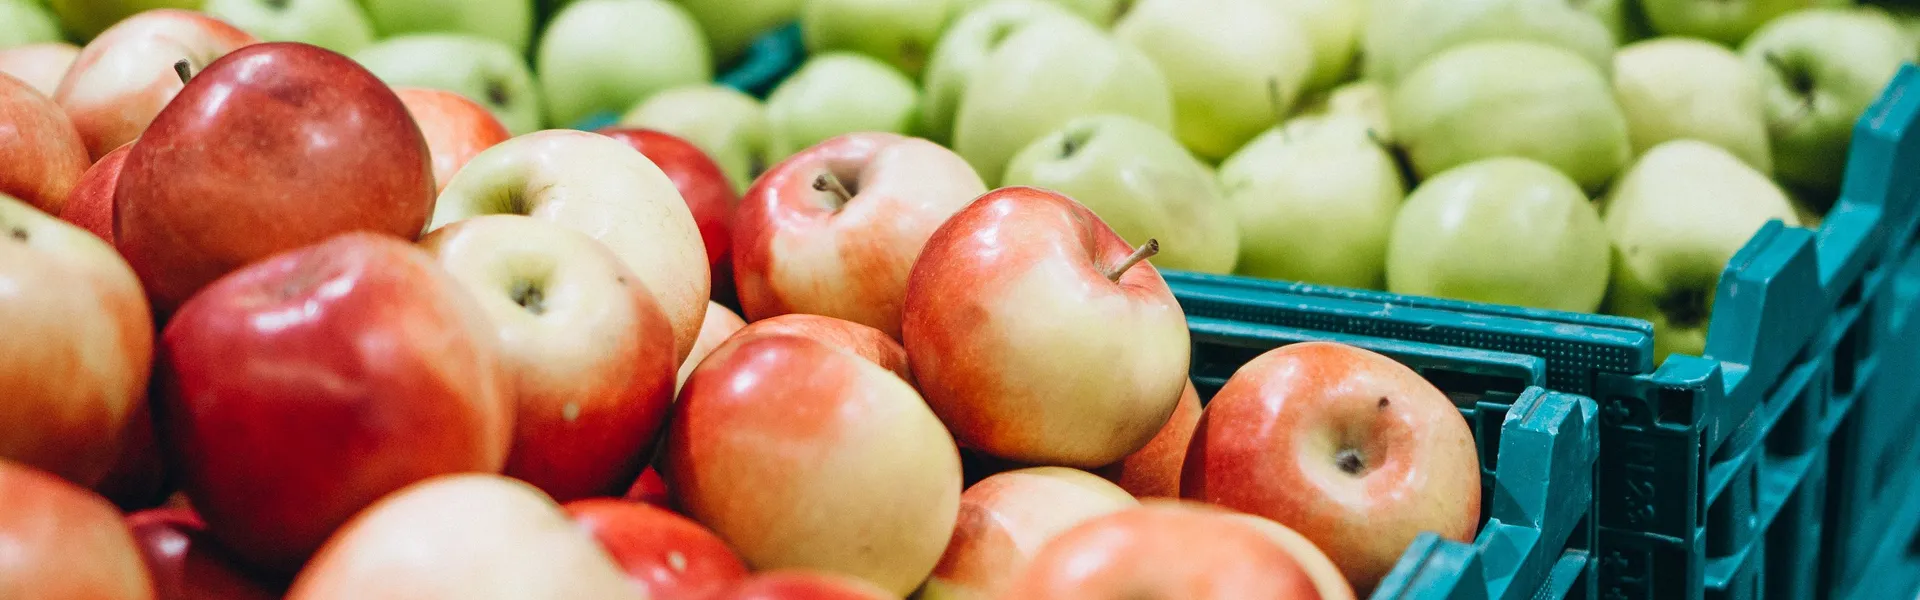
60,541
669,556
705,188
185,564
651,488
91,204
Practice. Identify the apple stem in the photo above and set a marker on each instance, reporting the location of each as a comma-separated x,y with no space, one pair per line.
826,182
184,69
1145,251
1273,99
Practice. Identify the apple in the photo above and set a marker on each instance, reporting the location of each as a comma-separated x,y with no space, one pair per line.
1038,335
1458,107
1676,217
90,206
666,555
650,488
1725,22
834,94
700,182
803,584
1364,99
1234,66
483,70
1039,78
1141,182
900,33
43,154
719,324
1327,578
470,536
731,26
1162,550
26,22
1153,471
730,126
456,128
604,188
1099,12
1673,87
64,542
802,455
1333,26
302,388
861,340
1401,35
973,35
40,65
1820,70
835,229
1343,445
88,19
509,22
138,477
1007,517
605,56
124,77
185,564
1315,201
78,347
337,25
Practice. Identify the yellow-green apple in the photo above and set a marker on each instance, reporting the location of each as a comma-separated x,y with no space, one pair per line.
1457,234
88,19
1671,88
510,22
192,205
1343,445
1820,69
705,189
1153,471
1234,66
605,56
1364,99
606,189
90,206
1099,12
972,36
1327,577
834,94
1141,182
40,65
337,25
804,455
64,542
26,22
730,26
1675,218
719,324
468,536
1334,28
999,312
1401,35
41,154
1162,550
185,563
804,584
835,229
1314,200
79,343
483,70
123,78
456,128
1458,108
1721,21
589,349
730,126
1006,518
1039,78
668,556
863,341
302,388
900,33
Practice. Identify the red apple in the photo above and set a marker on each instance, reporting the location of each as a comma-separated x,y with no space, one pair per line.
804,455
76,345
185,564
1006,518
1162,550
138,479
588,348
273,147
1353,450
705,188
41,157
456,128
61,541
1039,336
835,229
651,488
866,342
719,324
41,65
1327,578
1153,471
668,556
129,72
90,205
801,584
301,388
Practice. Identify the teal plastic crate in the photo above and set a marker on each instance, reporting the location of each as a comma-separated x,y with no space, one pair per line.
768,61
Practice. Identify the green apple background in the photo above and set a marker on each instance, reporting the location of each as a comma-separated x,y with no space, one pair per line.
483,70
1723,21
337,25
1820,69
728,125
508,21
837,93
84,19
26,22
1674,87
1403,34
1333,26
605,56
962,48
732,25
1099,12
1315,201
1234,67
900,33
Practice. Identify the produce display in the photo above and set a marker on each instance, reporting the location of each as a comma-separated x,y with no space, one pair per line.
477,299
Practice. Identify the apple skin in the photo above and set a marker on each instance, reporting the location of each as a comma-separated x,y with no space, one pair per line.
1400,35
604,188
803,584
1278,440
834,94
41,65
123,78
90,206
185,564
1004,323
1333,26
719,325
1153,471
1820,70
650,488
975,32
1327,577
804,455
605,56
457,129
730,26
704,187
78,348
43,153
900,33
89,19
1162,550
509,22
802,249
1234,67
1726,23
337,25
1672,88
863,341
27,22
280,428
483,70
1007,517
64,542
1314,200
668,556
729,125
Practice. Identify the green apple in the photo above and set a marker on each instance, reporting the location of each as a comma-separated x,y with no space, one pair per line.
1334,28
1042,77
508,21
84,19
1504,230
898,32
837,93
1235,67
337,25
481,69
1675,87
1820,69
1364,99
728,125
1511,98
1315,201
1403,34
732,25
1138,179
606,56
962,49
25,22
1724,21
1099,12
1676,217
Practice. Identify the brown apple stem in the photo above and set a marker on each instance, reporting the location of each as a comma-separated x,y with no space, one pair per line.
184,69
826,182
1275,100
1145,251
